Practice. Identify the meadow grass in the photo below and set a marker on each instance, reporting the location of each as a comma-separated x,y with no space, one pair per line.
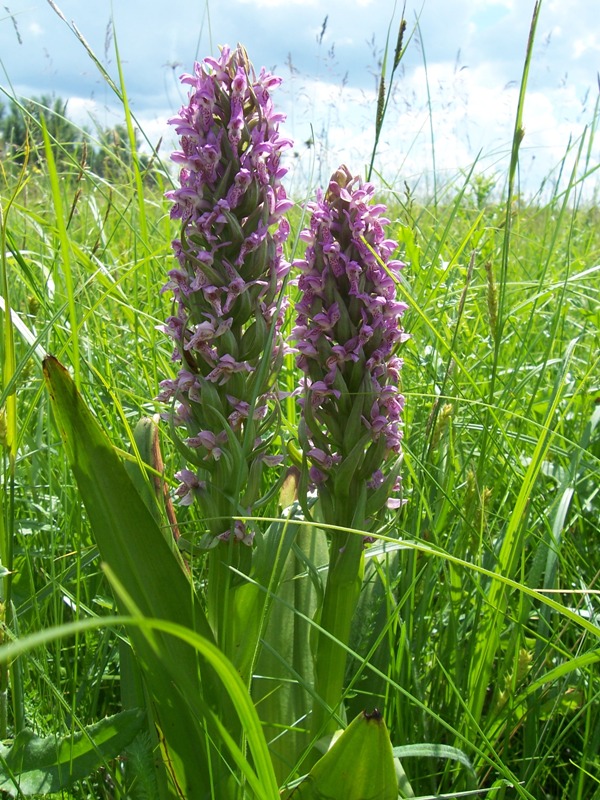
481,641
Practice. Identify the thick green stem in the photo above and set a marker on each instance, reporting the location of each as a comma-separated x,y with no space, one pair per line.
346,566
226,612
220,595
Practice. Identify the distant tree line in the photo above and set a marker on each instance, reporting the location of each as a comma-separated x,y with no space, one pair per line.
106,152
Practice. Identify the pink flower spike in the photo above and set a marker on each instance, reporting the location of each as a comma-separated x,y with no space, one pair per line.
346,335
227,280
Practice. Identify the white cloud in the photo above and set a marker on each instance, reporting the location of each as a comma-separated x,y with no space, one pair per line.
278,3
472,114
585,44
80,107
474,51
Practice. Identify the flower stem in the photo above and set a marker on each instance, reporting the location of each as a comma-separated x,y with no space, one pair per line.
346,567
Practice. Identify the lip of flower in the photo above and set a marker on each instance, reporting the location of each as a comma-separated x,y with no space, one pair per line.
240,532
207,331
326,320
189,486
210,442
317,476
319,392
226,367
320,457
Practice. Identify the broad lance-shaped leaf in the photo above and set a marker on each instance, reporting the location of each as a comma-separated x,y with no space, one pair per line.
284,670
147,477
132,544
34,765
359,766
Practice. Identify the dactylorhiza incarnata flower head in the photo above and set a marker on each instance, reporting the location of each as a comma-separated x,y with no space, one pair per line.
227,285
347,331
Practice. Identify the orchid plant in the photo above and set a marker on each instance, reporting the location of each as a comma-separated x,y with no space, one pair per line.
347,331
280,594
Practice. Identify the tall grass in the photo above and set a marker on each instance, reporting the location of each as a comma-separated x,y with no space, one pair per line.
483,629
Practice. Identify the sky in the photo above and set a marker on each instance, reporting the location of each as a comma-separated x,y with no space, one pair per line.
457,85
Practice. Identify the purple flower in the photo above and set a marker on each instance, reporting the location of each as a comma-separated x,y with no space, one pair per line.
346,334
189,486
227,283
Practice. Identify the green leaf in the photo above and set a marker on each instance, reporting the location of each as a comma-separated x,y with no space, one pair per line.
284,672
257,772
34,765
141,561
426,750
359,766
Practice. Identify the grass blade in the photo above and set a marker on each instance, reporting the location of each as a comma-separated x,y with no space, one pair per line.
65,249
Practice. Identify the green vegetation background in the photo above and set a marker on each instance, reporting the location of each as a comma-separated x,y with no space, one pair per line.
502,453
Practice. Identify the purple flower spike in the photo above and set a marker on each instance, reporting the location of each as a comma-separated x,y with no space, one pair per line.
347,331
227,284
